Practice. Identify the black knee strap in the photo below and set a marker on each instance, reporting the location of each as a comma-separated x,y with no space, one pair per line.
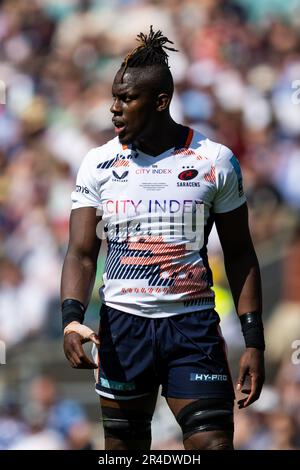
206,415
126,424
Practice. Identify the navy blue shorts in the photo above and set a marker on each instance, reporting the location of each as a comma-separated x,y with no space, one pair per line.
185,354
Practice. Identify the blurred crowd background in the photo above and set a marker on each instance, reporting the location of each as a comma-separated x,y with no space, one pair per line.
237,79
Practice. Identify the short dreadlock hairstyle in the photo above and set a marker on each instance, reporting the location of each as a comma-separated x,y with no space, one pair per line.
151,52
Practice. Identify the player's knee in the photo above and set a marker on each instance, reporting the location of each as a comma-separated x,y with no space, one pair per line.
220,443
128,426
212,440
205,415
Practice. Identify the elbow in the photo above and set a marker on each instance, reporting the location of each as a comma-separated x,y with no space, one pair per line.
86,260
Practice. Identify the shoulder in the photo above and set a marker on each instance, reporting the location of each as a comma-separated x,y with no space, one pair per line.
209,149
98,155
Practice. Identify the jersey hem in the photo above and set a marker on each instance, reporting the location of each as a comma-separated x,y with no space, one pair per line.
194,308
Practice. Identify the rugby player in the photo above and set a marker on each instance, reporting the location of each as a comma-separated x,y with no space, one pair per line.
158,326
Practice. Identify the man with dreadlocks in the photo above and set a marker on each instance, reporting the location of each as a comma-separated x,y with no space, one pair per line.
151,186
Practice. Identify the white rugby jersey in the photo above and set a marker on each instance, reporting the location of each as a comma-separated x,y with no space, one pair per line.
157,213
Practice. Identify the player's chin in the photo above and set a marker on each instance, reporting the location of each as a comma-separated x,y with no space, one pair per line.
124,137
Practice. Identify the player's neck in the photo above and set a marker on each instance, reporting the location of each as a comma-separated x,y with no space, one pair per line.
161,138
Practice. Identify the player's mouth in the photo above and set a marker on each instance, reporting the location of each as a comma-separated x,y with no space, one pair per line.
119,126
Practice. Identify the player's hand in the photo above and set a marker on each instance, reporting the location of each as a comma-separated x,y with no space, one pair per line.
75,335
252,369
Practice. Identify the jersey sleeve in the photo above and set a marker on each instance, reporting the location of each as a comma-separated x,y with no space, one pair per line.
86,193
229,181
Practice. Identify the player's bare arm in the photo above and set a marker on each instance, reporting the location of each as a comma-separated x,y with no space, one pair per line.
243,274
78,278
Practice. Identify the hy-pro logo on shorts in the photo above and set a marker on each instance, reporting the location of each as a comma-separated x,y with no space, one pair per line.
199,377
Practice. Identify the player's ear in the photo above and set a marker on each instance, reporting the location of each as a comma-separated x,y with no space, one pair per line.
162,102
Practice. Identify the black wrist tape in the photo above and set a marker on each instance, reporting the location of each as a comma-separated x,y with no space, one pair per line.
253,330
72,310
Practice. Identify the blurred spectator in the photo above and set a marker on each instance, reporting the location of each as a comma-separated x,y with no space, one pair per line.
288,385
65,417
44,422
12,427
267,425
38,436
284,432
283,326
22,305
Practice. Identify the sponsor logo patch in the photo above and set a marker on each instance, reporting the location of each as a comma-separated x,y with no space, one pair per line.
121,176
186,175
117,385
201,377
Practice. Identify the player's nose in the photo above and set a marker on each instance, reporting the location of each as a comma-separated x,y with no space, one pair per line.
116,107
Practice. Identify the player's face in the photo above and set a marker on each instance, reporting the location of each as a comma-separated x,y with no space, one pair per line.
133,108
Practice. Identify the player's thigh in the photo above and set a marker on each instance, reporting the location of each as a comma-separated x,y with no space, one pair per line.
127,423
206,424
